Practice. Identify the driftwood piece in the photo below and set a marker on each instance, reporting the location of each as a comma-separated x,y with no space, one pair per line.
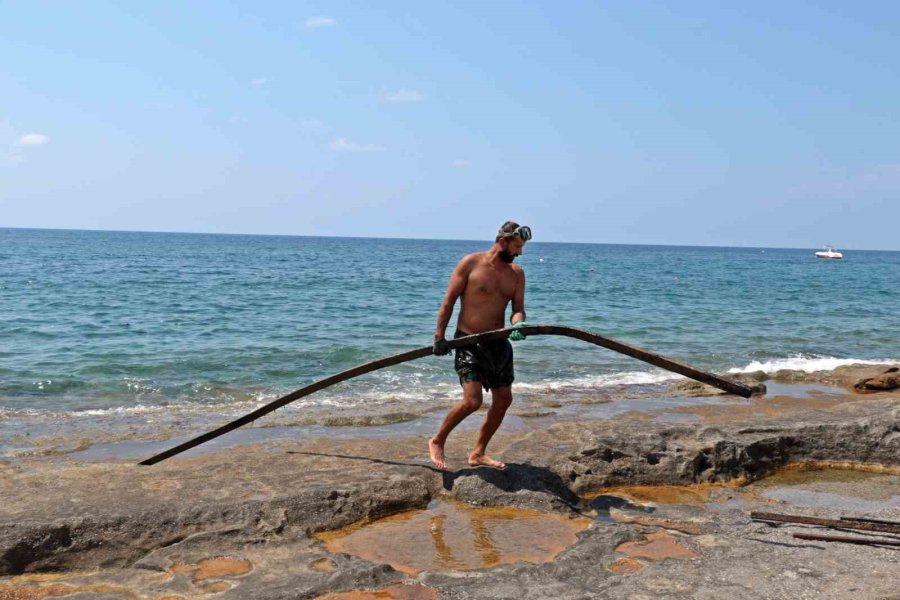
841,524
846,540
867,520
653,358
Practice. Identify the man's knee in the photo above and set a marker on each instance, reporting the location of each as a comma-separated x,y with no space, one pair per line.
502,396
472,396
471,404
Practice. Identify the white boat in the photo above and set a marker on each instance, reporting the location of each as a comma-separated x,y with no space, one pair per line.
829,252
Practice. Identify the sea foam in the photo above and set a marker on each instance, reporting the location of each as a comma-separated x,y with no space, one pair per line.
807,364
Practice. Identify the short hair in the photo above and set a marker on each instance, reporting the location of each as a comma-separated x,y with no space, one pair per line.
506,230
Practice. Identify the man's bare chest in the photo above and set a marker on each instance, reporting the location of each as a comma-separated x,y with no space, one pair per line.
485,280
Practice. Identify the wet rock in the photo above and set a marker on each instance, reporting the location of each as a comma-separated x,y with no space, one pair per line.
844,376
692,388
618,454
886,381
259,505
110,539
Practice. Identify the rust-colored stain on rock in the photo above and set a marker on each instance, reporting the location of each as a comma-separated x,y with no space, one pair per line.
626,566
44,577
802,472
222,566
216,587
682,526
458,536
659,545
323,565
16,592
394,592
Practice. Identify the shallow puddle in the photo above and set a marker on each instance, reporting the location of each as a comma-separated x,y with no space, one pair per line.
855,490
599,507
644,500
643,495
452,536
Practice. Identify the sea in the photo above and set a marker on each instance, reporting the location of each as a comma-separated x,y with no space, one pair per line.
121,335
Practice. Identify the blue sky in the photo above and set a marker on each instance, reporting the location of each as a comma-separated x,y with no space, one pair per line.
707,123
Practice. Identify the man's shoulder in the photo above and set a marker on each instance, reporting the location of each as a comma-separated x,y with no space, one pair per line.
518,270
470,260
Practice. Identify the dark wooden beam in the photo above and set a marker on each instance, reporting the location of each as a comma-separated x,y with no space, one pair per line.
658,360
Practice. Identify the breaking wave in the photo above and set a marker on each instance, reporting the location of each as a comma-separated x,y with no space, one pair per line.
807,364
601,381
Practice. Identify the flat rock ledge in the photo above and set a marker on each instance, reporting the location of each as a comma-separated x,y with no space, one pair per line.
262,504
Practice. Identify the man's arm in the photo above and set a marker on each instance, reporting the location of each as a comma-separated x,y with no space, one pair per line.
455,289
518,313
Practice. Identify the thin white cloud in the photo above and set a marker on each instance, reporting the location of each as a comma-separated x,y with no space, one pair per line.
319,22
33,139
460,163
348,146
404,95
15,159
311,123
259,81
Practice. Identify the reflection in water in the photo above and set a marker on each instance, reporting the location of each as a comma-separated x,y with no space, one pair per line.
451,536
490,556
444,552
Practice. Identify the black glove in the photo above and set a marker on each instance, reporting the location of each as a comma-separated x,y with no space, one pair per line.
441,347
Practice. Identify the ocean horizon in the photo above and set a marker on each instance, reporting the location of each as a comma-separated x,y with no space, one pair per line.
425,239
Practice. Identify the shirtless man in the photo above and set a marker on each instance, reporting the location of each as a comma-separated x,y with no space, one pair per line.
486,282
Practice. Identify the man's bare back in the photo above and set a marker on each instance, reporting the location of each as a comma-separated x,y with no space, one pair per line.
485,283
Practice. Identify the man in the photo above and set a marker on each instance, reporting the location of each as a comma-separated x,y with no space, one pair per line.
486,282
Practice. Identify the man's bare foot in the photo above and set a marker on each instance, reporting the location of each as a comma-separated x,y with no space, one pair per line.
437,454
481,460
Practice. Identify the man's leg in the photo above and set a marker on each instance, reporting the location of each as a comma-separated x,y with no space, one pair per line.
501,398
471,401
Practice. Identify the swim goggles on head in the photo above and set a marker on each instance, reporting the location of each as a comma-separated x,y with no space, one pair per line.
523,233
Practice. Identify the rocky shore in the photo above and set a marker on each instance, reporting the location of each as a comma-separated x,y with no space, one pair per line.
244,522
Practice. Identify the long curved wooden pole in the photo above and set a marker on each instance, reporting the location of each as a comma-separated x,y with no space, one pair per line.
658,360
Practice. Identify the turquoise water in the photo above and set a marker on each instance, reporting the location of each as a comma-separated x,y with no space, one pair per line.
114,321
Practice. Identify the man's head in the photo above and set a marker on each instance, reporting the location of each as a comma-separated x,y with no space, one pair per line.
511,240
